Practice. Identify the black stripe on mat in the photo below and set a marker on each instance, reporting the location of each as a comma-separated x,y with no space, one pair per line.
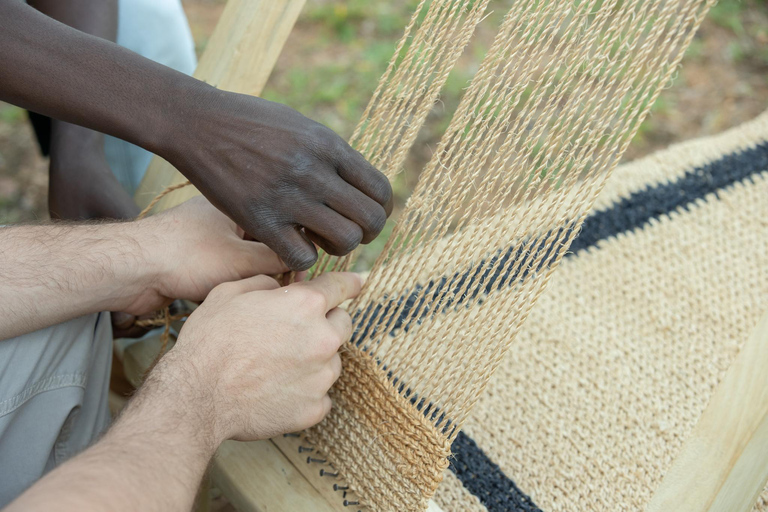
486,480
636,210
476,471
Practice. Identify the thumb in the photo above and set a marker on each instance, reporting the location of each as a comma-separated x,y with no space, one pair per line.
256,258
251,284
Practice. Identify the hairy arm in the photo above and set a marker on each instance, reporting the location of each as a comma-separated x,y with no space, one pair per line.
51,273
152,459
254,361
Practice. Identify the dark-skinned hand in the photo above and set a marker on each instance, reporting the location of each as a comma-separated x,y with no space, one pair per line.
285,179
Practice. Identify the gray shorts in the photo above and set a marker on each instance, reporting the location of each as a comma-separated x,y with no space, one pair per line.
53,398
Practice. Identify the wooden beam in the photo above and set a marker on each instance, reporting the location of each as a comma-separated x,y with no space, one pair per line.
310,471
323,484
723,465
256,477
273,476
240,56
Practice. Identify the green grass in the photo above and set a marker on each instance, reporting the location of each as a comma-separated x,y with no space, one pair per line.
358,38
737,16
346,18
728,14
696,49
11,114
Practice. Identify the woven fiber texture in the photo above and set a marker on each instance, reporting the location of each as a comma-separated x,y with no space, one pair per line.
623,351
548,115
451,496
435,38
416,451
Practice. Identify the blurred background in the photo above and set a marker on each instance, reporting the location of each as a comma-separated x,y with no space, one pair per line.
335,55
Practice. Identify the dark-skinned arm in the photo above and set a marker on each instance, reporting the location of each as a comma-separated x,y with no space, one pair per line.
286,180
81,184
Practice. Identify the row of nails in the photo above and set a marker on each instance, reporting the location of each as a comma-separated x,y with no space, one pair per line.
336,487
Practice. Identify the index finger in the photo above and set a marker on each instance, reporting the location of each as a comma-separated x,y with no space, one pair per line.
336,287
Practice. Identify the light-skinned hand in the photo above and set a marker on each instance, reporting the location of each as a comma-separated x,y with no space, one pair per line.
256,360
189,250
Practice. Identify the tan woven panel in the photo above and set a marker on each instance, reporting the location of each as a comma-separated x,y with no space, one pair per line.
621,354
552,108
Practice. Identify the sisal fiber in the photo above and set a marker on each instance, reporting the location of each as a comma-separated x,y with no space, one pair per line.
621,354
435,38
555,103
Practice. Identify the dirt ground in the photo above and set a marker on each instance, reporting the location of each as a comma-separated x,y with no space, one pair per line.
339,48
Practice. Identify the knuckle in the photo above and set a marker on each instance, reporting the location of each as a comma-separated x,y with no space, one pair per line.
323,141
301,166
336,366
347,320
343,315
339,145
298,256
383,189
301,260
265,216
348,239
266,282
328,137
313,414
312,299
376,220
329,378
319,413
328,345
215,295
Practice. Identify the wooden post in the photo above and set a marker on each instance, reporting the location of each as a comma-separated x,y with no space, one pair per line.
723,465
240,56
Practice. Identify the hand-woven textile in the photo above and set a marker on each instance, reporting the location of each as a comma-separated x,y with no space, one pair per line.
621,354
553,106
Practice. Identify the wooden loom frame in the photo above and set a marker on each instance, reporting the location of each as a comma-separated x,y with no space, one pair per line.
723,465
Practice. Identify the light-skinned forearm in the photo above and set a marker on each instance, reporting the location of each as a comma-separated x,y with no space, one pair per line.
89,81
55,272
152,459
52,273
252,362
